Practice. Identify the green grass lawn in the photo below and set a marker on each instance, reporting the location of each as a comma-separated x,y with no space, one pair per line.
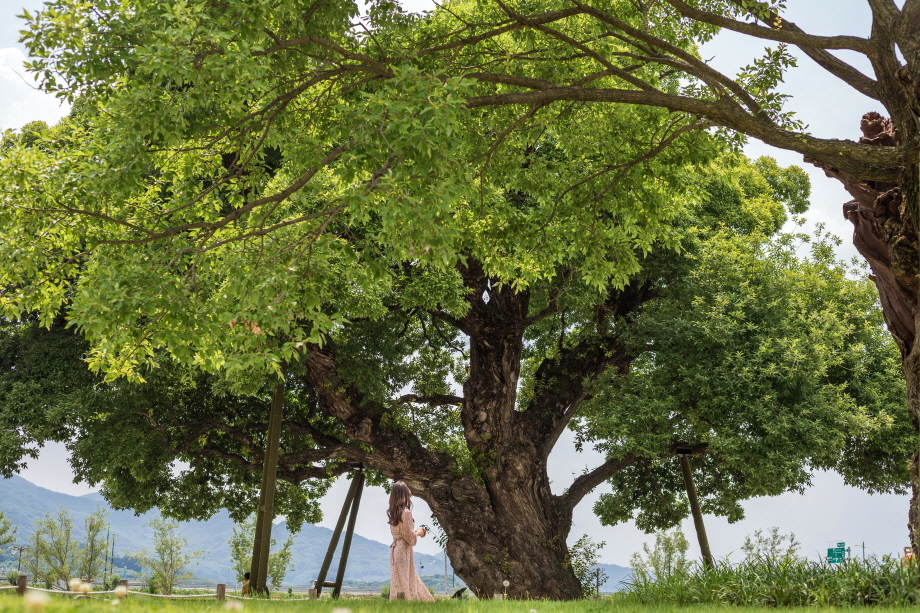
10,603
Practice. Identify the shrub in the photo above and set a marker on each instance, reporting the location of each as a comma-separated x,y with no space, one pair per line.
784,582
668,557
583,558
770,547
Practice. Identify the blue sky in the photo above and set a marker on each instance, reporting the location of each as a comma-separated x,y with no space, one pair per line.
828,512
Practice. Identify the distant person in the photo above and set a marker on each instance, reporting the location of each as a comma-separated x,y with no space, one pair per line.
403,577
245,584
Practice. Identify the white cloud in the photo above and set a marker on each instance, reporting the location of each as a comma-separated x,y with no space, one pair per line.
22,101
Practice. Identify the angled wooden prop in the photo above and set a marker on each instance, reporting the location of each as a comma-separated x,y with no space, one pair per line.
350,510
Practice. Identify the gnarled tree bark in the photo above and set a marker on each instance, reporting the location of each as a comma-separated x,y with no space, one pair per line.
885,234
504,523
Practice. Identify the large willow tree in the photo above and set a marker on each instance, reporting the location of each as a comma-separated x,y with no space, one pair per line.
267,187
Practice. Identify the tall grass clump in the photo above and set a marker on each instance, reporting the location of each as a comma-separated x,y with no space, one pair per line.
788,581
772,574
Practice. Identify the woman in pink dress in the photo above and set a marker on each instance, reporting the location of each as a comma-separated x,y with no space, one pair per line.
403,577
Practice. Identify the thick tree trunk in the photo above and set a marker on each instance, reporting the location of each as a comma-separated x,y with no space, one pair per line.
884,216
502,522
518,535
911,370
519,532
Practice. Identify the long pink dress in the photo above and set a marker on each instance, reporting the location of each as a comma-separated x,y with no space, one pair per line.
403,577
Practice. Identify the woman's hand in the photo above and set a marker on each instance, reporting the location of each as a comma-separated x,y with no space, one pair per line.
421,532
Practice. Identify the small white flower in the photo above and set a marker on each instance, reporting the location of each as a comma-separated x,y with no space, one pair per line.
341,610
121,591
35,601
506,583
74,584
234,605
533,611
86,587
115,602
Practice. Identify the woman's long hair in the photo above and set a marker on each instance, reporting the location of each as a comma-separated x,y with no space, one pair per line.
400,500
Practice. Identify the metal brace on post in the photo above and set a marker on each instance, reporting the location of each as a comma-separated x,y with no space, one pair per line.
349,510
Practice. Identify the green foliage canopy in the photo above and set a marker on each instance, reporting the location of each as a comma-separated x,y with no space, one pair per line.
771,365
226,196
129,437
818,382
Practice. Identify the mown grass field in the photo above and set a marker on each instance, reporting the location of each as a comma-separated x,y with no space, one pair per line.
9,603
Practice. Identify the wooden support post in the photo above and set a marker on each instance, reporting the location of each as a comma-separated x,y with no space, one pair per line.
260,528
105,559
221,591
357,481
346,544
265,513
311,595
21,583
695,510
498,597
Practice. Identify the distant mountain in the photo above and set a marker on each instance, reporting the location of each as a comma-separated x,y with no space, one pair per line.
24,502
617,576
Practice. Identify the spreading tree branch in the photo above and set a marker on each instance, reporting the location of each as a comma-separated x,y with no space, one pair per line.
583,485
778,34
863,161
